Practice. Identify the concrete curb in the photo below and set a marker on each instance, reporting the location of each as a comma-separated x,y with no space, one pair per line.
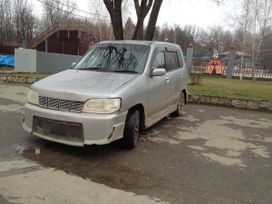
8,78
248,104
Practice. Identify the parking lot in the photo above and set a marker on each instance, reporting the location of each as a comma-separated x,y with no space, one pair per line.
210,155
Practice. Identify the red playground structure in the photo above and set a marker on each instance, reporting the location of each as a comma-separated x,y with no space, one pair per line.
214,67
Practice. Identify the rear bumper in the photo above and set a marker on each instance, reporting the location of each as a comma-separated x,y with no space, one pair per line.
97,128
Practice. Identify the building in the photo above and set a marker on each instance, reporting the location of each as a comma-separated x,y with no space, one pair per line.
8,49
72,38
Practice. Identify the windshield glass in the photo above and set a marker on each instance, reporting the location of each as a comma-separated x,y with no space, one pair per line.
115,58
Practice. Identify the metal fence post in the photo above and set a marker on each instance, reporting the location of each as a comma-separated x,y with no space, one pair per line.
231,62
189,57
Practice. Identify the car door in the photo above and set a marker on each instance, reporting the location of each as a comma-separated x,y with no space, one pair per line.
181,73
173,74
159,87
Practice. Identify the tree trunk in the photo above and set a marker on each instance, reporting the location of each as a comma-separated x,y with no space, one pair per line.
115,10
153,20
139,29
141,12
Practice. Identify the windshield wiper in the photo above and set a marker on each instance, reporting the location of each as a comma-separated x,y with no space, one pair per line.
90,68
126,71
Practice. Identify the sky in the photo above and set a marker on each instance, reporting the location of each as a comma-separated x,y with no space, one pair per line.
201,13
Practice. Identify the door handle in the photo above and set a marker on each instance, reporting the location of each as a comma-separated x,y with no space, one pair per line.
167,80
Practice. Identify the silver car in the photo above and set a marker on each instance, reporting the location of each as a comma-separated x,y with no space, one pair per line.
114,91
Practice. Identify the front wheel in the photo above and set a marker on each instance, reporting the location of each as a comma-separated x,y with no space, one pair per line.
180,106
132,128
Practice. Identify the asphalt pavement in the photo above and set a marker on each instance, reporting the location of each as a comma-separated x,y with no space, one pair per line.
209,155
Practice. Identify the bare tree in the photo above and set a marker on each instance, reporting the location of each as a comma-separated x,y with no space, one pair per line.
23,21
142,10
6,29
266,51
129,29
98,14
56,11
115,10
261,22
153,20
213,39
253,24
226,41
246,20
196,32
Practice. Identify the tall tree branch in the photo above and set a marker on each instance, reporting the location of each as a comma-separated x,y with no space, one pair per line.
153,20
141,12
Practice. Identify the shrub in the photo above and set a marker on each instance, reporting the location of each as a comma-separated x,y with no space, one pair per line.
195,79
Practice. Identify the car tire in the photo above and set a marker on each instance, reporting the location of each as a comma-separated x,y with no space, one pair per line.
132,128
180,106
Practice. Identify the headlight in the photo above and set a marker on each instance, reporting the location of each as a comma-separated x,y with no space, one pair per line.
102,105
33,97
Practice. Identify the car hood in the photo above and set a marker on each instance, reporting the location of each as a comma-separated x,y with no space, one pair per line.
81,85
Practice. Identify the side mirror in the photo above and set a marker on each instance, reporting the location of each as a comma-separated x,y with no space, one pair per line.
73,64
158,72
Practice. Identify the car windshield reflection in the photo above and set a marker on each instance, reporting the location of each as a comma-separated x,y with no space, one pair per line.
121,58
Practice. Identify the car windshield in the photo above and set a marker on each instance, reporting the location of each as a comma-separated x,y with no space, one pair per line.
127,58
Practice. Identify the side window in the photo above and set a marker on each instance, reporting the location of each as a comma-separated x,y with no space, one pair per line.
159,61
172,61
180,58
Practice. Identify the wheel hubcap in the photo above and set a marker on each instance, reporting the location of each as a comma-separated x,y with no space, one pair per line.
136,130
181,104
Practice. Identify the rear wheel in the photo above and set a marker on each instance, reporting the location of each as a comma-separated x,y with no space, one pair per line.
132,128
180,106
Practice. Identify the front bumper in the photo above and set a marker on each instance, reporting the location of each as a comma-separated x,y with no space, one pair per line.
97,128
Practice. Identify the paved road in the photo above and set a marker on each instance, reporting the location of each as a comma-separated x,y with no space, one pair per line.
210,155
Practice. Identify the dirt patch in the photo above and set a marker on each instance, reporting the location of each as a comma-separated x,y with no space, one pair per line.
11,108
116,176
7,105
4,101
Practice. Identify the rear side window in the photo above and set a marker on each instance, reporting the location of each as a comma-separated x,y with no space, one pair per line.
159,61
172,61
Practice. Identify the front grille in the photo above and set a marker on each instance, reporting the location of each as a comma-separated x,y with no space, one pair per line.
53,103
65,105
60,104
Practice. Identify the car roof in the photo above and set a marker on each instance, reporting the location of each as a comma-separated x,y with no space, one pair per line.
139,42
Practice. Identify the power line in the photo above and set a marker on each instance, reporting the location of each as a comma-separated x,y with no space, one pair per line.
75,8
85,17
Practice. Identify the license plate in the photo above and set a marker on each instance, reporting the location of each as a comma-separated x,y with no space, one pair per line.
58,129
